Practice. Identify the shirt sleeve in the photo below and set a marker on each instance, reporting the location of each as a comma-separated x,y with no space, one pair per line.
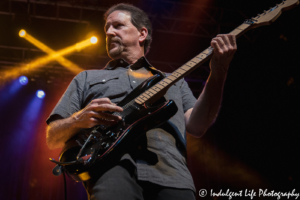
188,99
71,100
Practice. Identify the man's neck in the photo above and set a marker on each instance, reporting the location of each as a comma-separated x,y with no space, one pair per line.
132,57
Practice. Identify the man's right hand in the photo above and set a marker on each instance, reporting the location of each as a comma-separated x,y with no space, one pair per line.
60,131
95,114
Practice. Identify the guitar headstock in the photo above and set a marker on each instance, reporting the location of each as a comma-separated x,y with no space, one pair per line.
269,16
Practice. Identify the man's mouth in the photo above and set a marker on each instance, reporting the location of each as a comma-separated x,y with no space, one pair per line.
114,41
113,45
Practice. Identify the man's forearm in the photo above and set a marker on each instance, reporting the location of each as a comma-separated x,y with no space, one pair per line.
207,106
60,131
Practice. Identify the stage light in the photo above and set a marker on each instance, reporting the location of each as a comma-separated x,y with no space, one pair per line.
94,40
63,61
22,33
23,80
40,94
56,55
8,93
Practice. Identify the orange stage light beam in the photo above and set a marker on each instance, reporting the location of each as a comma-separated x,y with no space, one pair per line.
57,54
14,73
63,61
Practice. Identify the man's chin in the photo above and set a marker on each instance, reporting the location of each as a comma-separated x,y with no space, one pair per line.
114,53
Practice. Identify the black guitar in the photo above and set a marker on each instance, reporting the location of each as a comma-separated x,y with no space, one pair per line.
143,109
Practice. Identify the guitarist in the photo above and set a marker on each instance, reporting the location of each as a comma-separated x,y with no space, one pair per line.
156,168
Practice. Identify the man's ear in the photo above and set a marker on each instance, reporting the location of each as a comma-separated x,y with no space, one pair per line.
143,35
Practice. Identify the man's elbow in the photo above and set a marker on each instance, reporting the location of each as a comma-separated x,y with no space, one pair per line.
51,143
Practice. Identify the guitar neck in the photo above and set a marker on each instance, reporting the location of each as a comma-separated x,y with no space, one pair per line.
266,18
159,89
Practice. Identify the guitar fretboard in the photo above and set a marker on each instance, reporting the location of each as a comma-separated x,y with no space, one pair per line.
161,87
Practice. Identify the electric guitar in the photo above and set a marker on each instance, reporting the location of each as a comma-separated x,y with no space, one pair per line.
143,109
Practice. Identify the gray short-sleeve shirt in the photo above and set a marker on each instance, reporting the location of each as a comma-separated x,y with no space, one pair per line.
162,159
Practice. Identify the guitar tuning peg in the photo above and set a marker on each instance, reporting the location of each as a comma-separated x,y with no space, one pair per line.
252,19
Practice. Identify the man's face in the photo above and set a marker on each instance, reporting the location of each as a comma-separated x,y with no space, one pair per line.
121,35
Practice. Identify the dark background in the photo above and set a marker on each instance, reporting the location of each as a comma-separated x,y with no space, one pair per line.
253,143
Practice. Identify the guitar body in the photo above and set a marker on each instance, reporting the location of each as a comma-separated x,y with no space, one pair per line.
113,142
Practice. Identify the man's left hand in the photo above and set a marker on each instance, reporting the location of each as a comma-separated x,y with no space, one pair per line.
224,48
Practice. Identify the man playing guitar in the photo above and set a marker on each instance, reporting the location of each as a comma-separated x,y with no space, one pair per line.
156,169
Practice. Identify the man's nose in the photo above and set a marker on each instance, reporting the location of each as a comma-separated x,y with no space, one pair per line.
110,31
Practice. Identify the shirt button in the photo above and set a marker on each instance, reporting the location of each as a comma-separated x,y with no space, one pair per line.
133,81
103,80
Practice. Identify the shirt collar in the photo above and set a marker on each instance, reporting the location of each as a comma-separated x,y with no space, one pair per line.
141,62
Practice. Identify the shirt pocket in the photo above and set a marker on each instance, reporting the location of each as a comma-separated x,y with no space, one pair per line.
109,86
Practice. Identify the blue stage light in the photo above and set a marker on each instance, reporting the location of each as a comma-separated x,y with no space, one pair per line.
40,94
23,80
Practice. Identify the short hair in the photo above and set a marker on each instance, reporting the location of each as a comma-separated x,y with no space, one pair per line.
138,18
